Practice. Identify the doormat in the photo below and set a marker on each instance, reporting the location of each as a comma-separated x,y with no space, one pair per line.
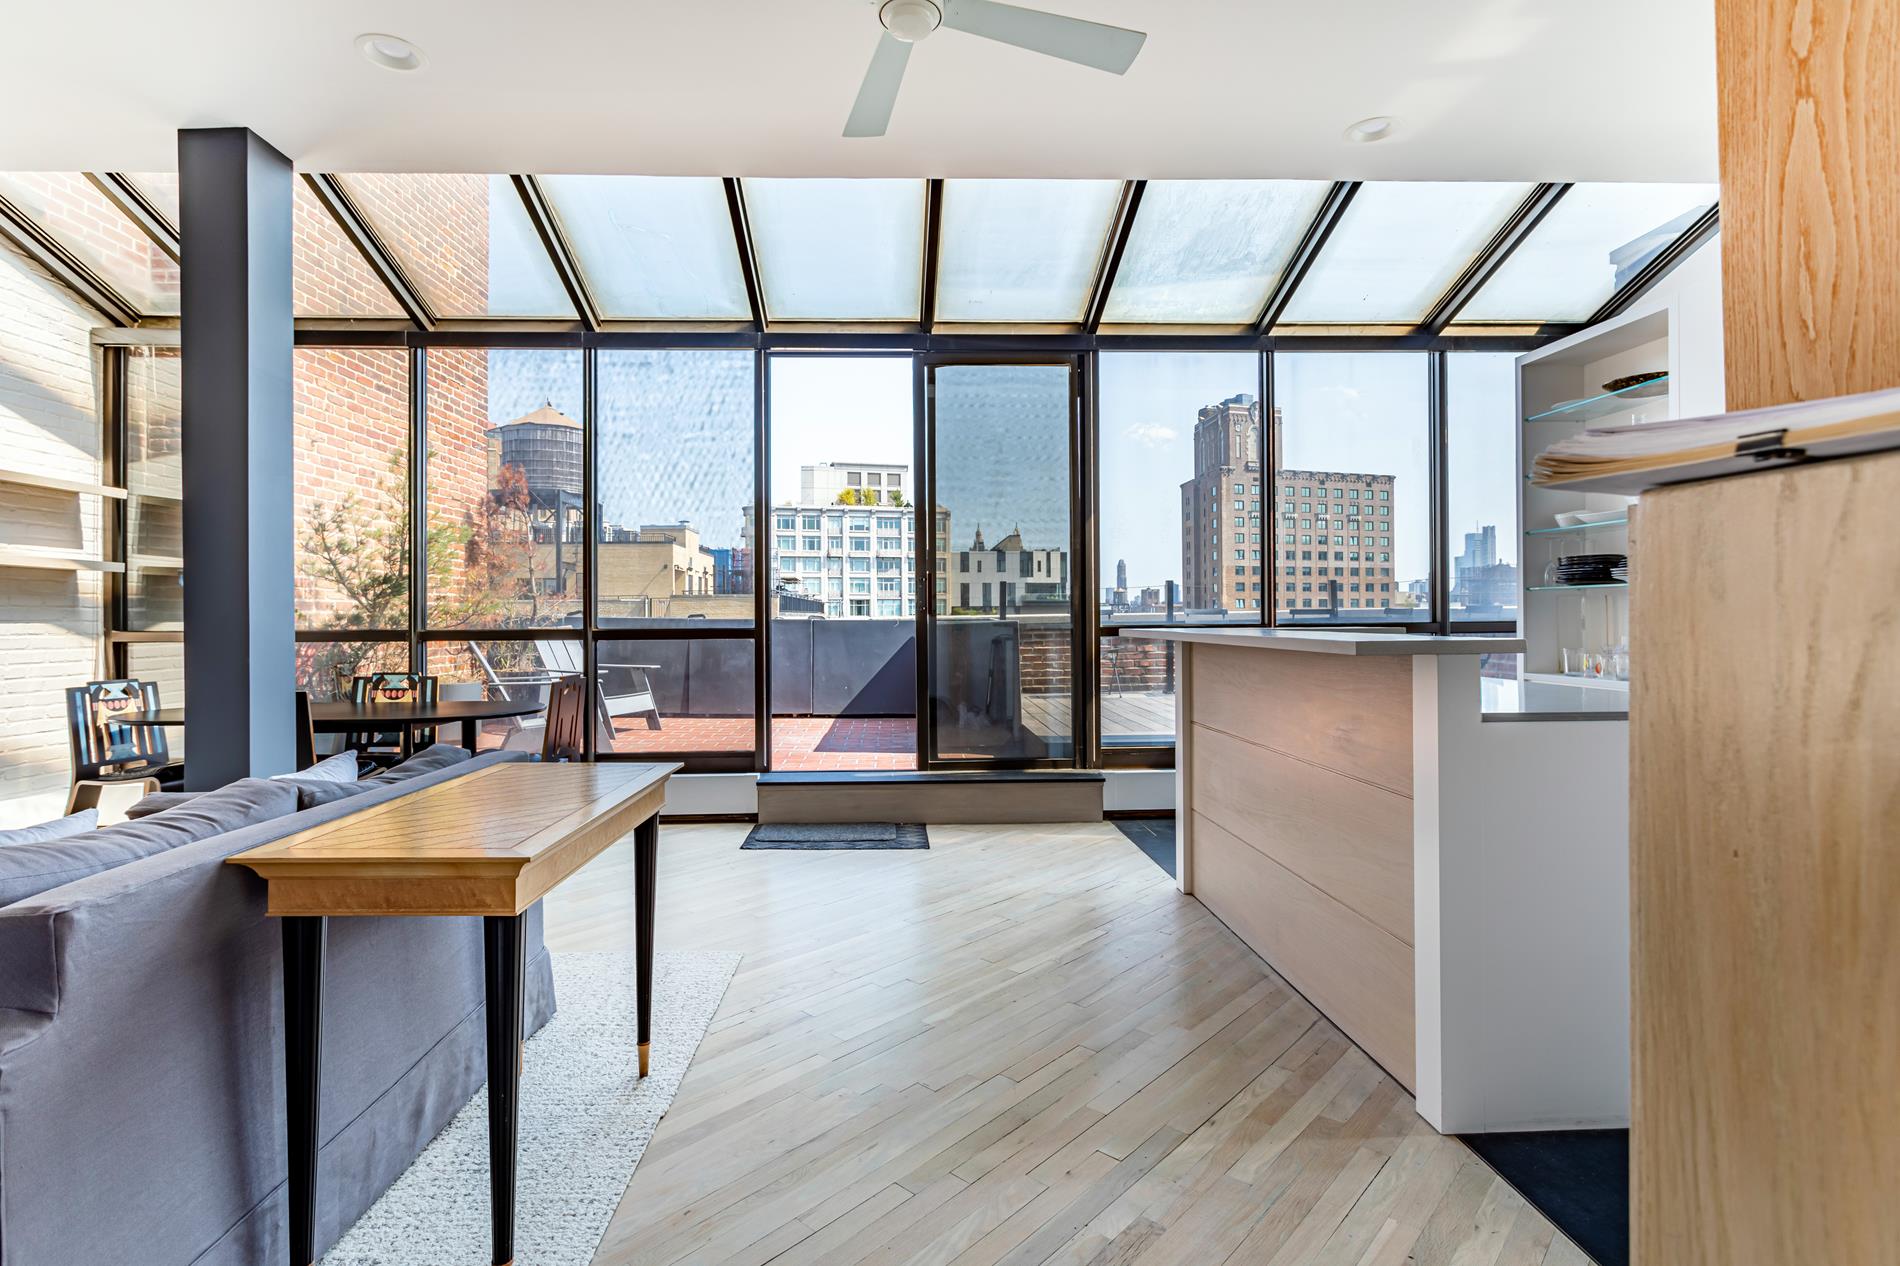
854,836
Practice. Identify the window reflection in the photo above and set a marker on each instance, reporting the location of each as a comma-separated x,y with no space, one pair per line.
838,250
506,527
1210,251
1398,248
1022,250
653,247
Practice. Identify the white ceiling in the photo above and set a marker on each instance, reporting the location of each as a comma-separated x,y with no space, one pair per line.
1482,89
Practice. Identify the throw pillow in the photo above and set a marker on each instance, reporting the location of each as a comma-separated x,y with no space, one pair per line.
29,869
159,801
59,828
339,768
426,761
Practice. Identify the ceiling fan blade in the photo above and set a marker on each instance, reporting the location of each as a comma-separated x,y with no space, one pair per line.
877,95
1109,48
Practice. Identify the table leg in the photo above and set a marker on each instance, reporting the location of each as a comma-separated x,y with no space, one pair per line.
472,736
304,943
504,949
646,857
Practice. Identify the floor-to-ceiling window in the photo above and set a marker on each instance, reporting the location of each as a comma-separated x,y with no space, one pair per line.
351,502
1001,656
506,526
674,552
1482,536
841,544
1352,487
1176,432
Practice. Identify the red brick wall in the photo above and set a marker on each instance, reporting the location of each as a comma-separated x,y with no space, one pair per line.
352,404
1044,658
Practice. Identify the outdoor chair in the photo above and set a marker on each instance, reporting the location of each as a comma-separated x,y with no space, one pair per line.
566,657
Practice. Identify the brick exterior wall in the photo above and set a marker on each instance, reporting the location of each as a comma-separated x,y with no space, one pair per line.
49,620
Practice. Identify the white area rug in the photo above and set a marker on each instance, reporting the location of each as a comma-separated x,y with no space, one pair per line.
586,1118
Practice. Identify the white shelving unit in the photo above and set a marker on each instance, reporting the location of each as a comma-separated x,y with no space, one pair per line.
1561,391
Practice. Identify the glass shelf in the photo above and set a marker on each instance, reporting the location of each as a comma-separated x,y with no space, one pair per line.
1607,584
1576,527
1600,406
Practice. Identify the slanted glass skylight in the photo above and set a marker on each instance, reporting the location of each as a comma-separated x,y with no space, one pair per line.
465,241
1596,238
653,248
161,190
838,250
1398,248
1210,251
1022,251
71,209
328,277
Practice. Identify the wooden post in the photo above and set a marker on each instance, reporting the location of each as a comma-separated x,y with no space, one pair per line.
1809,94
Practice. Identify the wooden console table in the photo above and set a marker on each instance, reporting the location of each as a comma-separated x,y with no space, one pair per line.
490,844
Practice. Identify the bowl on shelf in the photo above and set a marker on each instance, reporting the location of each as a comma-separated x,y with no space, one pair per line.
1639,386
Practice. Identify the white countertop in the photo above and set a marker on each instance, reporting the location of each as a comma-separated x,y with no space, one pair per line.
1330,641
1507,699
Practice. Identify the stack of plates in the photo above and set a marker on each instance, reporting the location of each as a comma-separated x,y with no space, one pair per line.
1621,573
1588,569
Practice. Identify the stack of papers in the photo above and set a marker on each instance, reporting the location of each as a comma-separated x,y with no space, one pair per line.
1725,443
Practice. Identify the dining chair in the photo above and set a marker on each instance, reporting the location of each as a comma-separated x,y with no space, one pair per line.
109,746
565,734
391,747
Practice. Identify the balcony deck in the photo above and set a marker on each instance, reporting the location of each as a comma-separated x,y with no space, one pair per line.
866,743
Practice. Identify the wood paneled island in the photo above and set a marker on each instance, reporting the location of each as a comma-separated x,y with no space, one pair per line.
1343,806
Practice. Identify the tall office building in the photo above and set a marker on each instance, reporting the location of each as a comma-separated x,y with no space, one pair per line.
1333,528
1221,560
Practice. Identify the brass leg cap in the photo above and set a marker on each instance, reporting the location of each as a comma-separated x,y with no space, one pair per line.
646,1050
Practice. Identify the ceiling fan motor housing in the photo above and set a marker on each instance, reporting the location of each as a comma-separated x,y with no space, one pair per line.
910,20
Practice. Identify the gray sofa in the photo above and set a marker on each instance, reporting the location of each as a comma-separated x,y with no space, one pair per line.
142,1057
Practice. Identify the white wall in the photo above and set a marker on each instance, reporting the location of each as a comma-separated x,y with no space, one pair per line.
1694,290
1521,912
50,622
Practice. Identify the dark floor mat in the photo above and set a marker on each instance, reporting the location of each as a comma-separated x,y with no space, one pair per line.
1579,1179
803,832
849,836
1153,836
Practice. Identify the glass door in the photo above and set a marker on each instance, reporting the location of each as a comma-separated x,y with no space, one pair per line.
998,675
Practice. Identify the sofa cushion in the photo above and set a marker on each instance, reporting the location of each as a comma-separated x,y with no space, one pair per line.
427,761
159,801
339,768
59,828
29,869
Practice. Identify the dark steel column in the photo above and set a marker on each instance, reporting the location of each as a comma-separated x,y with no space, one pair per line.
504,949
236,331
304,942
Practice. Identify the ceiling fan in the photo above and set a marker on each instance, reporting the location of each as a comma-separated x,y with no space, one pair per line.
1109,48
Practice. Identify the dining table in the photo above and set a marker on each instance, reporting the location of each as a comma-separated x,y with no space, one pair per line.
377,716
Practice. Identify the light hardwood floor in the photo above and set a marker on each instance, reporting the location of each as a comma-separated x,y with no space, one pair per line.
1022,1046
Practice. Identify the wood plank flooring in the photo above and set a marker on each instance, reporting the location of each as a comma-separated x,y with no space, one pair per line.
1021,1047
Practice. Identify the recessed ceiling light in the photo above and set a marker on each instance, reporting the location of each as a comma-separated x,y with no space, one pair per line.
391,52
1376,128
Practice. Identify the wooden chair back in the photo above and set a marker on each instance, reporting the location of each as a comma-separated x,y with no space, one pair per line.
393,688
104,744
306,732
565,737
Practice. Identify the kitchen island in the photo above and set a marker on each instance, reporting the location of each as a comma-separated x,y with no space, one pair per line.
1452,894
